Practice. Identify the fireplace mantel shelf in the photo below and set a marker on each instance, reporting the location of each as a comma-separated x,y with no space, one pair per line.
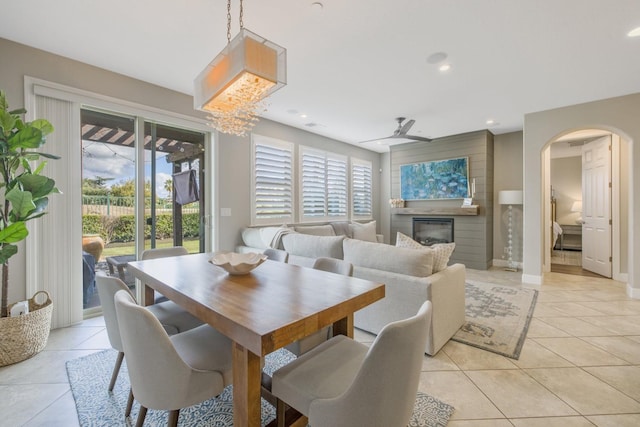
471,210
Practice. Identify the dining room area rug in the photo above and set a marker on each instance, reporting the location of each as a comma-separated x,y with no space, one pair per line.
89,378
497,317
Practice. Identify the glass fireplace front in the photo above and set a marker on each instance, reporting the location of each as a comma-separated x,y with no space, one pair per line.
429,231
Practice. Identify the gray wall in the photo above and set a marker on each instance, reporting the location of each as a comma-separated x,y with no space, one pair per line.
508,176
473,234
566,180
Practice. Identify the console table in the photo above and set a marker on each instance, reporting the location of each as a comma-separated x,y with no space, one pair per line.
571,237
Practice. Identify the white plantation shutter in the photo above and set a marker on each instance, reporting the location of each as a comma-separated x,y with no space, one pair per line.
361,189
323,189
272,181
337,187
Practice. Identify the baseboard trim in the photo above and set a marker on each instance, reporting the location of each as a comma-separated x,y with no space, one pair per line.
531,279
633,292
504,263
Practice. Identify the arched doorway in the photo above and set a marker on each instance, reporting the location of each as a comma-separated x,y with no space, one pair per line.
565,246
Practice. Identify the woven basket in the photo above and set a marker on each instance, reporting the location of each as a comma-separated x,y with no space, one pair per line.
22,337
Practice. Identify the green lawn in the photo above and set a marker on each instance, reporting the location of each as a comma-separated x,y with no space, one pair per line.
114,249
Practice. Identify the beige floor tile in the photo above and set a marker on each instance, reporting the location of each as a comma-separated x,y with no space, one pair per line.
564,296
470,358
615,308
539,328
456,389
544,309
62,412
533,355
628,420
552,422
574,309
19,403
480,423
624,378
363,336
584,392
69,338
90,322
579,352
621,325
517,395
621,347
634,338
439,362
99,341
47,367
577,327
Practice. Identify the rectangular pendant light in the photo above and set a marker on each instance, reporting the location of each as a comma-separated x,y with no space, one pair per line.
247,70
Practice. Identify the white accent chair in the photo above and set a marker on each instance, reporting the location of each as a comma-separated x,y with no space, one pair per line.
305,344
170,373
345,383
277,254
162,253
173,318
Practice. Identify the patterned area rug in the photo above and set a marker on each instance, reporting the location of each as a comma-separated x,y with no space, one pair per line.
89,378
498,318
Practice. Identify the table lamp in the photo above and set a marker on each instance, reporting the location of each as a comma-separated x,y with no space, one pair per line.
510,197
577,207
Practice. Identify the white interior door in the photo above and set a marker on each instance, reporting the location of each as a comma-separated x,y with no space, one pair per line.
596,206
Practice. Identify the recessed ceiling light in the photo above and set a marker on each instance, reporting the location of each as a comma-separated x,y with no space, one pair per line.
436,58
492,122
304,116
317,6
634,33
444,67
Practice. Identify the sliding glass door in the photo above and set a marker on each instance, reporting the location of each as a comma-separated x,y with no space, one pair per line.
172,198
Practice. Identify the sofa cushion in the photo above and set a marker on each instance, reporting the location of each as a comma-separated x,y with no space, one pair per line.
384,257
441,251
252,237
341,228
316,230
310,246
366,232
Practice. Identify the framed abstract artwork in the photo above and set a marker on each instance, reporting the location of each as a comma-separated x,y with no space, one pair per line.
436,180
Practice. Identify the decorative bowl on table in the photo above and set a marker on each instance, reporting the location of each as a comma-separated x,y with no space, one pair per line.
237,264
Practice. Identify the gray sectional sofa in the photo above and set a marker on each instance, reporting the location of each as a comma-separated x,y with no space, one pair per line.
406,273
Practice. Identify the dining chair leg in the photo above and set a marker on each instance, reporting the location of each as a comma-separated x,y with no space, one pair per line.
127,411
141,416
281,409
173,418
116,369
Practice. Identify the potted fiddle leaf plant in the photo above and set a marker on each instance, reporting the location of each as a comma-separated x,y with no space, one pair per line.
24,193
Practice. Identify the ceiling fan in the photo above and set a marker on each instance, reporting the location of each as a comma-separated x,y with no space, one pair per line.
401,132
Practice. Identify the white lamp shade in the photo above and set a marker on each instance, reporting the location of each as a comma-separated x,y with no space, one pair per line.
576,206
510,197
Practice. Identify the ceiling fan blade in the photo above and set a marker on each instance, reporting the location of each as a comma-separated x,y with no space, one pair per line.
375,139
417,138
405,128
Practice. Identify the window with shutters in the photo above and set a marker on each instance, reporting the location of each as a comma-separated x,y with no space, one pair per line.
272,201
323,186
361,189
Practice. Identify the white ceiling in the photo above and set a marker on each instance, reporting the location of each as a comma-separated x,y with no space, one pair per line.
357,64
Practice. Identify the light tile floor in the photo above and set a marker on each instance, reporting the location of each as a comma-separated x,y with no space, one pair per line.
580,365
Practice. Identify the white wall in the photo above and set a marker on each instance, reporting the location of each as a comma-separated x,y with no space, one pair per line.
618,115
566,180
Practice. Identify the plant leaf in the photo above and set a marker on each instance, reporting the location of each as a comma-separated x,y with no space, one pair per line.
21,203
14,232
7,252
44,125
7,122
28,137
38,185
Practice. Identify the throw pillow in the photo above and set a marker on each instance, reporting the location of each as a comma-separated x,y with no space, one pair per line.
341,228
389,258
366,232
316,230
441,251
307,245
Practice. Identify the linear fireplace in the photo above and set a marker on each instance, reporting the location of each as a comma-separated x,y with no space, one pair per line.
429,231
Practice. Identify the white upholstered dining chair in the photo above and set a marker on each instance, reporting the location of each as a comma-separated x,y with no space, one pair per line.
305,344
170,373
345,383
173,318
162,253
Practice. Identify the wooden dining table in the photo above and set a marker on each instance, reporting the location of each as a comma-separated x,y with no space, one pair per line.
274,305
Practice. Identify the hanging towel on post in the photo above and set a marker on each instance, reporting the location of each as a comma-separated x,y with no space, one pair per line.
186,187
